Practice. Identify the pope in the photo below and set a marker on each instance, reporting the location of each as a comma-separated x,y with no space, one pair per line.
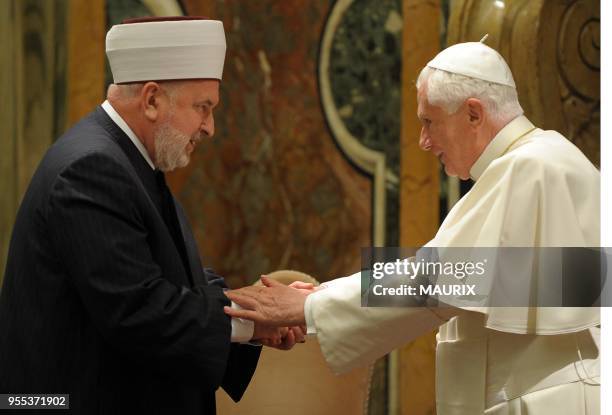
532,188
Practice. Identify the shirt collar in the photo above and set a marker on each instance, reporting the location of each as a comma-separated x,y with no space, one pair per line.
502,141
114,115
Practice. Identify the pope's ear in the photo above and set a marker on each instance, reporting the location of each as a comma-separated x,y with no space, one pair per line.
149,100
475,111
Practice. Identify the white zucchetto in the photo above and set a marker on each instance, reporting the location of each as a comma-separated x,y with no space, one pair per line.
157,49
475,60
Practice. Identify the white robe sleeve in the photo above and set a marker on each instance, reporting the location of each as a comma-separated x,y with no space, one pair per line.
351,336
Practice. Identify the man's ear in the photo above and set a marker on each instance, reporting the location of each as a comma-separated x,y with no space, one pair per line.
150,100
475,112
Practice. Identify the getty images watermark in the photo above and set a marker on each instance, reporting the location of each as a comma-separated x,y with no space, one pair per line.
485,277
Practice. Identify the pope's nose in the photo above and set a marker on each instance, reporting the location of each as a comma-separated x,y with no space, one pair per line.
424,141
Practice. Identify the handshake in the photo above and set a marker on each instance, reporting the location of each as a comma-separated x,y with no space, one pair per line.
276,309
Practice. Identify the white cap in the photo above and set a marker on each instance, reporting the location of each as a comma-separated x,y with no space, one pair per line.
475,60
165,49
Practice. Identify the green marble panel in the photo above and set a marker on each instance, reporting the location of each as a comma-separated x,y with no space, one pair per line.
365,76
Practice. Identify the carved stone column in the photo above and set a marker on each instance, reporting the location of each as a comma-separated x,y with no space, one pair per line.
553,49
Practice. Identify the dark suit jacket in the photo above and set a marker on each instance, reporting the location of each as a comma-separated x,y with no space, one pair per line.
99,301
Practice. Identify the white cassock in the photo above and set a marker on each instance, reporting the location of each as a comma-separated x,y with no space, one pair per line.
533,188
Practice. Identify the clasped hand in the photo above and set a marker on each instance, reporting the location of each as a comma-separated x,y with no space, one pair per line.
276,309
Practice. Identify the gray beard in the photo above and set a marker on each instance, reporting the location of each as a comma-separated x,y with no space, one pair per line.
170,148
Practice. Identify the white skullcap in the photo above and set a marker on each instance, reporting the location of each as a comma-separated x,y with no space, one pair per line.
475,60
166,49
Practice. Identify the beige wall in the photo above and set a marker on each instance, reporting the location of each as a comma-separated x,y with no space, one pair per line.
51,73
27,117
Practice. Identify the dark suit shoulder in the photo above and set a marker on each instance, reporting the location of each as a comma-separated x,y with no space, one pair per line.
88,136
89,146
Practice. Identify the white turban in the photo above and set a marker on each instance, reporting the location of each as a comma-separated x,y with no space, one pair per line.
475,60
166,49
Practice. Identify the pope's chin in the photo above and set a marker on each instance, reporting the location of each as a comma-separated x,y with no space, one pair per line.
448,169
453,173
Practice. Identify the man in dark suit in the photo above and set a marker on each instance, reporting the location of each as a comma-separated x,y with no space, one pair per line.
104,296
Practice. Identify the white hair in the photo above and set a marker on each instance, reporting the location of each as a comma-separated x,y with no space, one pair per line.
130,90
449,91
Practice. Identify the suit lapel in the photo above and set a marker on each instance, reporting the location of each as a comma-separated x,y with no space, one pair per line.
192,249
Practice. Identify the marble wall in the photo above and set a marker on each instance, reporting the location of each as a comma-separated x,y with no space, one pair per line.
272,190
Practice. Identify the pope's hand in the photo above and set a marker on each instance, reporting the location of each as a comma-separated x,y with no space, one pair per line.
268,335
306,287
275,304
289,337
283,338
